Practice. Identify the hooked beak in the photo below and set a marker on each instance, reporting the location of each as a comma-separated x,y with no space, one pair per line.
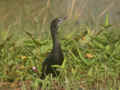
62,19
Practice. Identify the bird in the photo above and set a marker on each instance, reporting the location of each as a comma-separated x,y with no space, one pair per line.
56,56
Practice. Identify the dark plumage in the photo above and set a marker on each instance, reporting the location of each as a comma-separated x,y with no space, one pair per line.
56,56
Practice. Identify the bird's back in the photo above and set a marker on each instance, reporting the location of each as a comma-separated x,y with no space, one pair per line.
52,59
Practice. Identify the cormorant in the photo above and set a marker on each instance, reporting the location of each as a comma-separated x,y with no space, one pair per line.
56,56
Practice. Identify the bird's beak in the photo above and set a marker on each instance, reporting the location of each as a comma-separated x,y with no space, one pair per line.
62,19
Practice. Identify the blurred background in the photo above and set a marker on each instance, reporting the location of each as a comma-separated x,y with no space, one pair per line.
34,16
90,42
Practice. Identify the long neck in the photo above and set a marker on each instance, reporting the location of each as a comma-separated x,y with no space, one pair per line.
56,44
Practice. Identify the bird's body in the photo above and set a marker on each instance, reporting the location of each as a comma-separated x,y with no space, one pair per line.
56,56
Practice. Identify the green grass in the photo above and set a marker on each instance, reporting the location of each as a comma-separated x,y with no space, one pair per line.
92,52
92,60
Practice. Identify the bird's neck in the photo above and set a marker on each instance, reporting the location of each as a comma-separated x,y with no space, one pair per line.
56,44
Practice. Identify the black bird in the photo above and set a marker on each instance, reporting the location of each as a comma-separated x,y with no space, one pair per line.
56,56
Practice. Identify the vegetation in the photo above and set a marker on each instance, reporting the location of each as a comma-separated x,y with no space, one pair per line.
92,52
91,60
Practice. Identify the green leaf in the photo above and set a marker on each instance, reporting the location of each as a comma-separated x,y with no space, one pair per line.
107,23
90,72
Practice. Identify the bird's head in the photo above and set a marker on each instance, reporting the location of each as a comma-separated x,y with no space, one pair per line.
56,22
